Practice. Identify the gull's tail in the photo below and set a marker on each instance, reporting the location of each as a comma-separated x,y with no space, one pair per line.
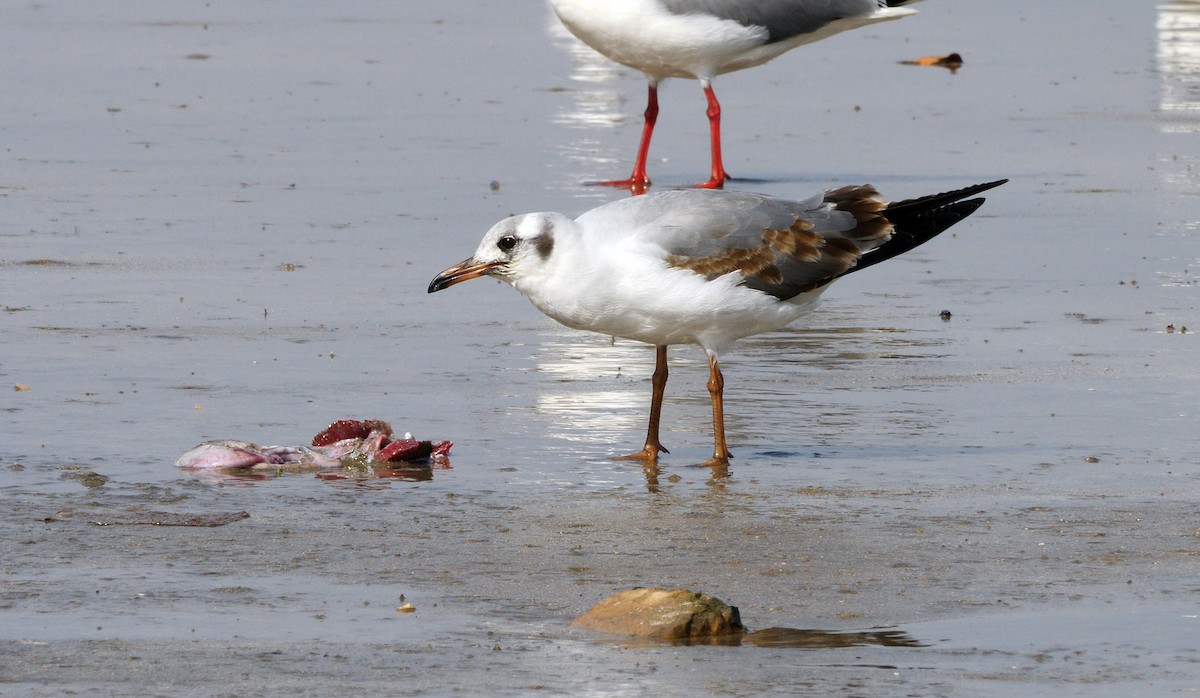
917,221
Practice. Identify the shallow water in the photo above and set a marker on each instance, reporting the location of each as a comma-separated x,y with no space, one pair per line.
220,222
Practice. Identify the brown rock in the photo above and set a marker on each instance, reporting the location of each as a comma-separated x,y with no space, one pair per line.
676,615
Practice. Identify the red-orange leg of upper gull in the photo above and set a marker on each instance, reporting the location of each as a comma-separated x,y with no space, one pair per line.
719,175
658,382
639,181
716,389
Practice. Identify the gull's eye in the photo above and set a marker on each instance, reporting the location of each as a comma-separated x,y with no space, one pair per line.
507,243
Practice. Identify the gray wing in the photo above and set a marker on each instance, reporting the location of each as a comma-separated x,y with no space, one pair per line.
785,248
782,19
780,247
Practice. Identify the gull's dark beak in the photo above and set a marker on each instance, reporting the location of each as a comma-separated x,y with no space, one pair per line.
463,271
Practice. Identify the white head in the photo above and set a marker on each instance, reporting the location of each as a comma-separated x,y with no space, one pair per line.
514,249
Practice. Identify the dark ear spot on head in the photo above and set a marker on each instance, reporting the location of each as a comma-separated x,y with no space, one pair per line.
544,243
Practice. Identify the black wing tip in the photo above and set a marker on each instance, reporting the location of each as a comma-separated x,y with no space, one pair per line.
977,188
933,201
988,185
917,221
960,209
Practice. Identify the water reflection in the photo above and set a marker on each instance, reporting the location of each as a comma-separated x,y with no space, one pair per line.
1179,65
803,638
602,403
834,347
372,475
1179,107
827,380
719,477
594,416
596,102
824,639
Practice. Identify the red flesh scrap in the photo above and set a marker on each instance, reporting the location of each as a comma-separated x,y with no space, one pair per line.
390,451
404,449
350,429
412,450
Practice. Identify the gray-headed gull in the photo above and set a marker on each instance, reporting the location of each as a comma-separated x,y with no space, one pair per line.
701,39
701,267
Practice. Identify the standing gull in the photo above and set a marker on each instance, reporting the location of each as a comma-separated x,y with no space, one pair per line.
701,267
701,39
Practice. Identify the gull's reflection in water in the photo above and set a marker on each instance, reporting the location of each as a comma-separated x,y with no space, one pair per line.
600,403
1179,65
596,102
600,397
604,399
1179,113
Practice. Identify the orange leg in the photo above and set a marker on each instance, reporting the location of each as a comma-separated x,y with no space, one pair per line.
639,181
716,389
659,384
719,175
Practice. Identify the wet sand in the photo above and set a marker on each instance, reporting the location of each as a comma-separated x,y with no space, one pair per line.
220,224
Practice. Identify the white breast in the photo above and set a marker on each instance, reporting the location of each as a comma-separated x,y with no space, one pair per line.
643,35
622,286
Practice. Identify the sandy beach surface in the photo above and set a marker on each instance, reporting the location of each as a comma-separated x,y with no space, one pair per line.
220,219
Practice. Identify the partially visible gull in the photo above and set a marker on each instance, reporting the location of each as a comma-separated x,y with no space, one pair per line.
701,39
